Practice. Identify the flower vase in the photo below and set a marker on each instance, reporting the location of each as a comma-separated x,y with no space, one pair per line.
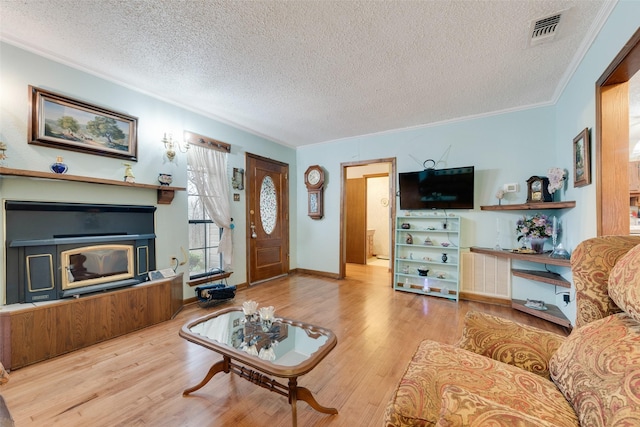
537,244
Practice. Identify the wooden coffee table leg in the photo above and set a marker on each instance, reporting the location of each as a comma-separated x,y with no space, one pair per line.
300,393
222,366
305,394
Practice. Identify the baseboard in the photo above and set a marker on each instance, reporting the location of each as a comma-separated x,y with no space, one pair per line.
315,273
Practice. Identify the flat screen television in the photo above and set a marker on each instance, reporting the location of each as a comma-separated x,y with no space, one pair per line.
437,189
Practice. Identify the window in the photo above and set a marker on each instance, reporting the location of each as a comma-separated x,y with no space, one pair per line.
204,235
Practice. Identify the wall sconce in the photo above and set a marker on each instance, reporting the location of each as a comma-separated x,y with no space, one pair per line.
171,146
237,180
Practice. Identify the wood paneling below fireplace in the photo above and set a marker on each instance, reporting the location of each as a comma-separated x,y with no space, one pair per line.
34,333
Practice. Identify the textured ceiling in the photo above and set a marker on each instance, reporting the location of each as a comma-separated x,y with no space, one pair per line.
305,72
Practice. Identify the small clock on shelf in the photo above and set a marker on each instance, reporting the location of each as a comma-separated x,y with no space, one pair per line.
538,190
314,180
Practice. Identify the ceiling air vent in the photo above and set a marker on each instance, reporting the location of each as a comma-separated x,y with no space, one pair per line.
544,30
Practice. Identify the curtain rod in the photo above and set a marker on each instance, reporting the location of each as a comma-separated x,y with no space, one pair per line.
206,142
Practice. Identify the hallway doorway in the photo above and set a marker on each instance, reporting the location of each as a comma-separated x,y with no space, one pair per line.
366,212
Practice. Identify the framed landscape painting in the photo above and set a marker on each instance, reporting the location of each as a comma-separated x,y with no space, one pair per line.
60,122
581,159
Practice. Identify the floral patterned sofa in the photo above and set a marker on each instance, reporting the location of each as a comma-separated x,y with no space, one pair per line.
502,373
5,416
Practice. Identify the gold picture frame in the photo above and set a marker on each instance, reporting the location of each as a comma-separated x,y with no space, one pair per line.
60,122
582,159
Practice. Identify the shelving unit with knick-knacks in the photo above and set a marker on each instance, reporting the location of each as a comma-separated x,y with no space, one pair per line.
427,254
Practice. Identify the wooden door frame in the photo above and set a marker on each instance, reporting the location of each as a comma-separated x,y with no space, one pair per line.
285,230
612,147
343,223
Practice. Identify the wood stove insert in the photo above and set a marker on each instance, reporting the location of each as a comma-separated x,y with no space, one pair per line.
58,250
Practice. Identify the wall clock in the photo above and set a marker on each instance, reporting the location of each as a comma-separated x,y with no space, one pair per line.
314,180
538,190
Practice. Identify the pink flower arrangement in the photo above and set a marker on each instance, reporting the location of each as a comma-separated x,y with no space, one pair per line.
536,227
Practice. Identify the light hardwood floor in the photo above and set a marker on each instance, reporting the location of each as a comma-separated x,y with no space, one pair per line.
138,379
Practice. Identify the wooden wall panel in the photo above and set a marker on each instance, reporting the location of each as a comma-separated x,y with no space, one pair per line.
39,333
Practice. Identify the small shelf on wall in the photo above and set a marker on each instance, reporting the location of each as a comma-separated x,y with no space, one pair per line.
530,206
551,314
542,276
536,258
165,192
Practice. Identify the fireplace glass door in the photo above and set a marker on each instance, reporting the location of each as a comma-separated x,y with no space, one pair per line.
91,265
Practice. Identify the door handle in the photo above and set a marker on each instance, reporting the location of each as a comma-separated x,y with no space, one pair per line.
253,231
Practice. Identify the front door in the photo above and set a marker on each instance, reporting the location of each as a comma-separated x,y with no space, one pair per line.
267,219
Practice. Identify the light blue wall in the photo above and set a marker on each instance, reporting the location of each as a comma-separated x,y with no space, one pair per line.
506,148
19,69
576,110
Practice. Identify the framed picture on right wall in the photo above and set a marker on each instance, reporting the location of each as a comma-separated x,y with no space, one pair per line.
582,159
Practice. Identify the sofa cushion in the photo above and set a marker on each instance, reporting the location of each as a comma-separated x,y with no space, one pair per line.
417,401
591,264
463,408
624,283
501,339
598,371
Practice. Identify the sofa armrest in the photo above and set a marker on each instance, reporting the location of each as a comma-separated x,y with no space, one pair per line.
463,408
509,342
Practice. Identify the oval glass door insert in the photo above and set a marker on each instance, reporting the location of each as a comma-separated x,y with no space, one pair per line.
268,205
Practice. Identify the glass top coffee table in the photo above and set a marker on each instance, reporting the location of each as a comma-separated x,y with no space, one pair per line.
257,349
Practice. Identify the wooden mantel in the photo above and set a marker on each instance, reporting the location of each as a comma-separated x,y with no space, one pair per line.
165,192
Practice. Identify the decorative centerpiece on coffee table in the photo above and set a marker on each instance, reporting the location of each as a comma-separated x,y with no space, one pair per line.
260,334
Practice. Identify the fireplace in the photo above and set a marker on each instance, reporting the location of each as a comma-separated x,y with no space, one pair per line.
59,250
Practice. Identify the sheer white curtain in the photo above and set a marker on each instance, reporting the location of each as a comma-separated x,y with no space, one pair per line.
212,184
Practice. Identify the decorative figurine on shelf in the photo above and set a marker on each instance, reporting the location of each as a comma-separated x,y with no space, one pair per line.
557,177
165,179
535,304
558,251
500,196
428,241
128,174
444,257
58,166
409,240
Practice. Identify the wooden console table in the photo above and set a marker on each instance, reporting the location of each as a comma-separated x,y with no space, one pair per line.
553,313
31,333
